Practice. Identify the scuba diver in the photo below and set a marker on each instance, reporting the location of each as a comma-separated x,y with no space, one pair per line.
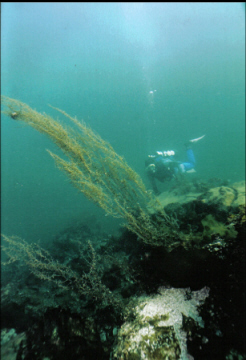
162,166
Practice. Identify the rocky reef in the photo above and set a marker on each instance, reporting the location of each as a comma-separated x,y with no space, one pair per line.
182,301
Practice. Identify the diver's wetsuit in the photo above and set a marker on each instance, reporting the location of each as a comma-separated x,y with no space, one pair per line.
168,168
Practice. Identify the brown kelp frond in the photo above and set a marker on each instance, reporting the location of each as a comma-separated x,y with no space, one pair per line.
96,170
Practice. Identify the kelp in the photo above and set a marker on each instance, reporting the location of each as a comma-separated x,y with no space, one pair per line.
96,170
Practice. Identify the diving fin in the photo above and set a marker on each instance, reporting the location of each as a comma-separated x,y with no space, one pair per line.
197,139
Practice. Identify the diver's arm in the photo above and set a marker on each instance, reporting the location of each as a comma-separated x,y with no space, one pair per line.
153,184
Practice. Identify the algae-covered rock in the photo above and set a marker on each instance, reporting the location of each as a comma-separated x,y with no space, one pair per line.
12,344
157,331
222,195
225,196
213,227
240,190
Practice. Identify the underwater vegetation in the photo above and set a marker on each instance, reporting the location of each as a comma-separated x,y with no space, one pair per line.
44,267
118,298
96,170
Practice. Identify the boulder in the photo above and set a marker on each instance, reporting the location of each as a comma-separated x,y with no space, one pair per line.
161,326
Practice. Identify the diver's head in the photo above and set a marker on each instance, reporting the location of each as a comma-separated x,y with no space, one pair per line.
149,164
150,169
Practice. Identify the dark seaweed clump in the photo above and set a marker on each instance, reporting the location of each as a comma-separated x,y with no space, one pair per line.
62,322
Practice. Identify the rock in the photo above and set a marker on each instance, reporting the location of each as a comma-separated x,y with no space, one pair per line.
11,343
226,196
158,330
